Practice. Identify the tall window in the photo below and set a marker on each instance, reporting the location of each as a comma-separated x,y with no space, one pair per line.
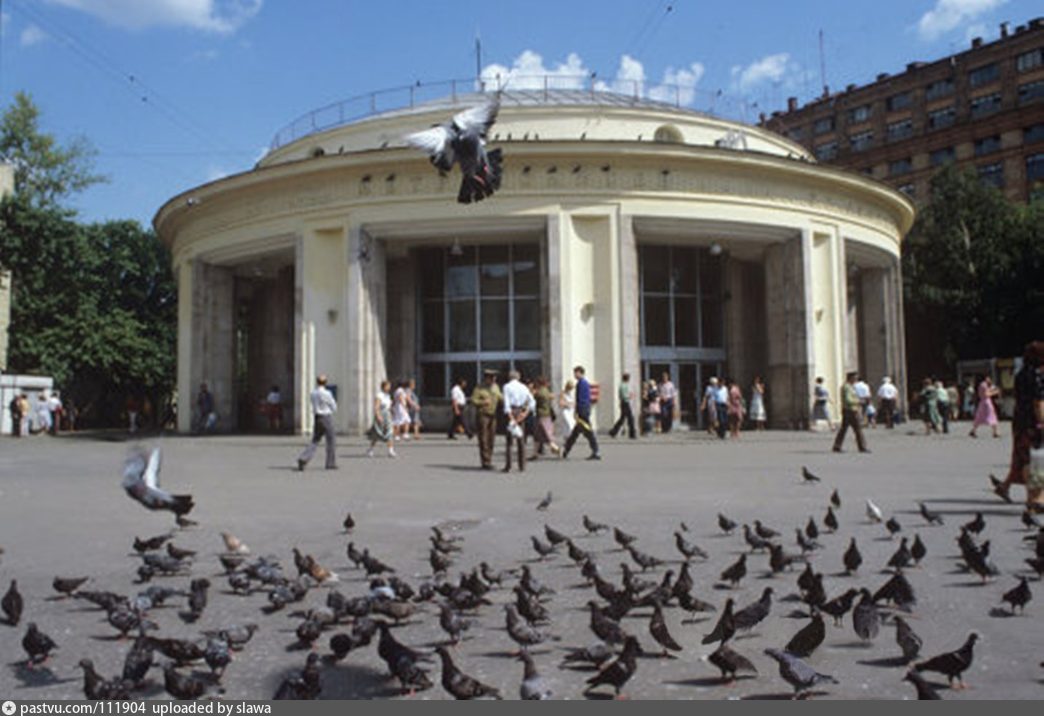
1033,133
1035,167
987,104
1031,92
479,308
900,166
992,174
861,141
942,156
860,114
681,298
987,145
1030,60
942,117
899,130
899,101
826,151
823,125
939,88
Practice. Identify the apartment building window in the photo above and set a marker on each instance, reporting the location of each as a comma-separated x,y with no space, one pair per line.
823,125
987,145
900,166
796,134
909,189
942,117
903,100
983,75
1031,92
1030,60
942,156
826,152
939,88
860,114
900,130
861,141
987,104
992,174
1034,133
1035,167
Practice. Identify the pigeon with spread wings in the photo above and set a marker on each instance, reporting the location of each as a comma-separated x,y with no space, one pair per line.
462,140
141,481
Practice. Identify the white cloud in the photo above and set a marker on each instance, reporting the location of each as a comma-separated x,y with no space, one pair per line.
769,69
950,14
218,16
528,72
31,35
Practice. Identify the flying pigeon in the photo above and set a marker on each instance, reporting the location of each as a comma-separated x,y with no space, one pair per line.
141,481
462,140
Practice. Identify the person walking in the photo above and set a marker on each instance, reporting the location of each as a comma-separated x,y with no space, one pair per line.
583,417
43,414
400,412
851,414
862,389
626,414
651,412
54,406
15,406
757,403
668,400
413,408
709,405
459,405
821,403
887,395
721,407
985,411
381,429
517,404
567,404
545,417
274,409
485,398
205,406
1026,428
943,401
323,408
929,397
736,410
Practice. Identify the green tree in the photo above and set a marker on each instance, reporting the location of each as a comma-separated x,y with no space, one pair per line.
94,305
44,171
971,268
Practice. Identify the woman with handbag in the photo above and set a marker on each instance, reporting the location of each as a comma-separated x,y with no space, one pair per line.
1027,453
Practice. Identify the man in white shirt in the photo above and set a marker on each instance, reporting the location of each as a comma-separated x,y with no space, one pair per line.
324,406
517,404
54,405
863,392
458,404
887,395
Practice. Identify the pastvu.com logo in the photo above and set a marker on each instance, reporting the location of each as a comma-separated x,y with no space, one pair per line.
8,708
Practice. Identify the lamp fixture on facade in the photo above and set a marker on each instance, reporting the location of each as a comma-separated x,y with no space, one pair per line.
715,249
456,249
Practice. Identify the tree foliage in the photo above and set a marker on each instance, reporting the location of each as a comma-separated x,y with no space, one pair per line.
94,305
44,171
971,269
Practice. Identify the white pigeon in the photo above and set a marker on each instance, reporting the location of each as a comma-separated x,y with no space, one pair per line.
873,512
462,140
141,481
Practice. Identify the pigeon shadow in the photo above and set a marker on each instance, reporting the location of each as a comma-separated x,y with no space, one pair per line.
709,681
459,468
1001,613
967,584
853,645
598,696
36,677
889,662
350,681
768,697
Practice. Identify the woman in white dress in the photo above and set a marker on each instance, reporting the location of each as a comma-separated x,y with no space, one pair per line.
567,404
400,413
757,403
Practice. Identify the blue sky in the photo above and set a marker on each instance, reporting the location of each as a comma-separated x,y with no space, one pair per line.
174,93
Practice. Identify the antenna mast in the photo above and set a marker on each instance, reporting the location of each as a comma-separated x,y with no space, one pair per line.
478,57
822,65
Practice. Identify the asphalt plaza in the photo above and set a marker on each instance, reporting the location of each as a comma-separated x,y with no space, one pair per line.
65,514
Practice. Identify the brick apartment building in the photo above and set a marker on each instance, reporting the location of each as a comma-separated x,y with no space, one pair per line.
981,108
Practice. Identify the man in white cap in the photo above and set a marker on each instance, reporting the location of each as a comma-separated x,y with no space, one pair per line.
886,401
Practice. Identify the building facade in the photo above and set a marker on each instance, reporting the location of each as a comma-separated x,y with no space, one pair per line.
628,235
982,108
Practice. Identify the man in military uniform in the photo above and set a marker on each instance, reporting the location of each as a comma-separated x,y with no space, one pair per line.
485,398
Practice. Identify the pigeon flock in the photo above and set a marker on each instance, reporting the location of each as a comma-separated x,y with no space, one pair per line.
410,628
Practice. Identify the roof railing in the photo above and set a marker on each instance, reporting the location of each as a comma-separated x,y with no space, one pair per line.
518,89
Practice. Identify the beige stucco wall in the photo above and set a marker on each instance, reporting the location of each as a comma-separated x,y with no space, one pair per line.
591,199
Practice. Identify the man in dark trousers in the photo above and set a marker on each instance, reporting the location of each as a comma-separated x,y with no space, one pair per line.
624,394
16,416
485,398
323,406
518,405
583,417
459,404
851,414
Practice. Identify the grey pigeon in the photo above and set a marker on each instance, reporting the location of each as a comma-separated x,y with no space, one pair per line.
907,639
141,482
462,140
865,619
797,673
533,686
